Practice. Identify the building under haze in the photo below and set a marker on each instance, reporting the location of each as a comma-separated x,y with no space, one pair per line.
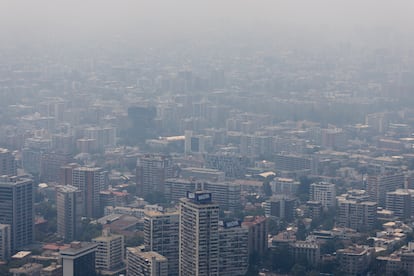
17,209
145,263
7,163
79,259
234,249
161,234
69,206
199,235
151,172
379,185
109,253
5,242
323,192
90,181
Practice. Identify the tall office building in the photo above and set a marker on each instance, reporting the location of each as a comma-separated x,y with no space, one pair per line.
79,259
152,170
7,163
145,263
90,181
199,236
5,242
234,251
69,207
161,234
109,253
323,192
16,209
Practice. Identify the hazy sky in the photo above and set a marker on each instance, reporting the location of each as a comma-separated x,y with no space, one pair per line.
47,19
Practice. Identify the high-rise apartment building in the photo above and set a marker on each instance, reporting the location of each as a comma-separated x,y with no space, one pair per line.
5,242
7,163
379,185
234,251
50,164
323,192
199,236
226,194
104,136
161,234
358,215
66,173
69,207
145,263
400,202
109,253
16,209
284,186
232,165
151,172
79,259
90,181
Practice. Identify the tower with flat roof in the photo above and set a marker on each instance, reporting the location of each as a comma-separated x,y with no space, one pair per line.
199,236
90,181
145,263
161,234
110,252
69,211
5,242
151,172
16,209
79,259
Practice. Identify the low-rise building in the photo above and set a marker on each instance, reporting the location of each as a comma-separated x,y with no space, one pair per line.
145,263
355,260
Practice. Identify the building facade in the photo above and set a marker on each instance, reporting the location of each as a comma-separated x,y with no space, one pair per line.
161,234
5,242
151,172
199,236
16,209
69,207
79,259
234,250
110,252
90,181
323,192
145,263
7,163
